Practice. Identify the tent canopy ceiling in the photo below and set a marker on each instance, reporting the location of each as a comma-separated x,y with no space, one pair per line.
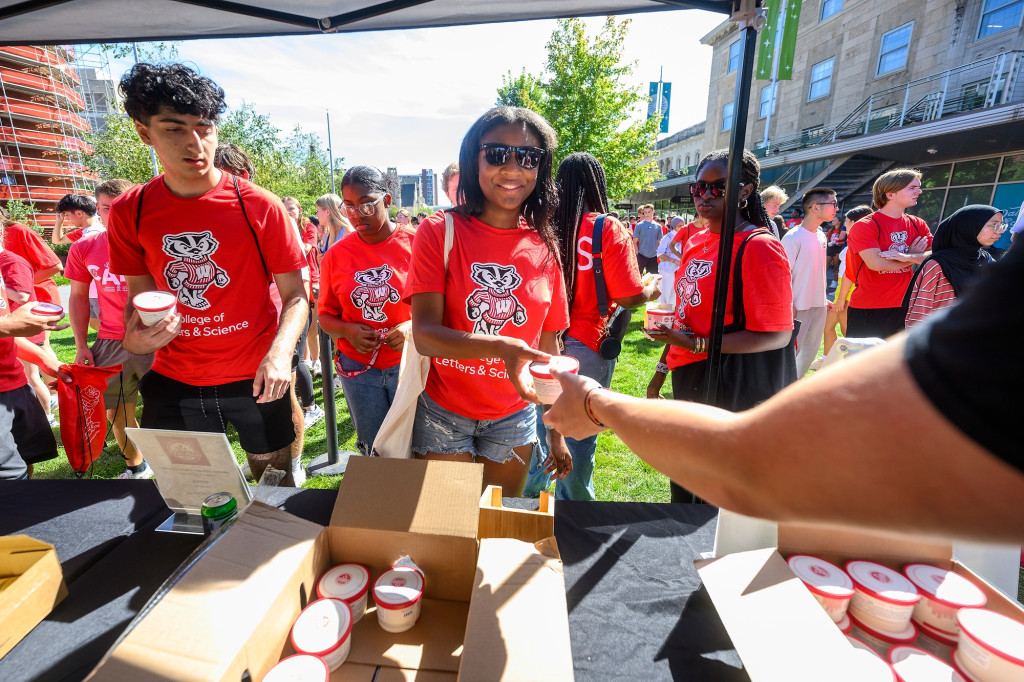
90,21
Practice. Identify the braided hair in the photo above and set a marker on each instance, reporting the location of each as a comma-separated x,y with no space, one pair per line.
582,188
754,211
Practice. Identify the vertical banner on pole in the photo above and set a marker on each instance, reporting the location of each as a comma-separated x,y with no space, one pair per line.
766,41
666,101
788,50
659,102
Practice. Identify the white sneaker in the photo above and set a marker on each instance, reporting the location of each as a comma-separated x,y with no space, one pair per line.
315,369
246,471
54,423
309,364
299,477
53,401
147,472
312,416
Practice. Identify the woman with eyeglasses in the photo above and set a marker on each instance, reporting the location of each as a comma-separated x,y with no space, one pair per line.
332,220
496,307
958,257
361,307
757,354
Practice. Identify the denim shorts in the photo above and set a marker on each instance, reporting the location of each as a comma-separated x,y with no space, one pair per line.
444,432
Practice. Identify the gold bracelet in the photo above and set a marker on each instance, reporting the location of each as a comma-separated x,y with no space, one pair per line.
586,406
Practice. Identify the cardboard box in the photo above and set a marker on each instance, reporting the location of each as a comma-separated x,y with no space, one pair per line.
779,630
38,588
498,521
232,612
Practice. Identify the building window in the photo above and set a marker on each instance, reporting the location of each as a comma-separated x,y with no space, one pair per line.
821,79
687,160
767,101
999,15
830,7
727,116
734,56
892,55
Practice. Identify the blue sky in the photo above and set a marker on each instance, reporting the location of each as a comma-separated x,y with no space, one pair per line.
405,98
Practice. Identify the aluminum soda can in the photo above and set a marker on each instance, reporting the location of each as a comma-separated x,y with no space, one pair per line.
219,510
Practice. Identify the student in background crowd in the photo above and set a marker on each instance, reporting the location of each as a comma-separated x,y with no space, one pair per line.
310,242
23,241
883,246
403,217
334,224
758,358
77,210
957,259
796,216
844,286
646,236
668,261
499,305
835,240
232,158
362,306
773,197
450,182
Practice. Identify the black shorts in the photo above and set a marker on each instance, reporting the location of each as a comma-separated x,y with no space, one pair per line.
262,427
24,427
834,249
866,323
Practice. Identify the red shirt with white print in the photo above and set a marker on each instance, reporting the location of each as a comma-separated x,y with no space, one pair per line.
17,274
89,262
621,277
365,283
202,249
879,231
12,375
767,289
499,282
26,243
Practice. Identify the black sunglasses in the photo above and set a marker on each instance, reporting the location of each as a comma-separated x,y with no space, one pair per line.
498,155
700,188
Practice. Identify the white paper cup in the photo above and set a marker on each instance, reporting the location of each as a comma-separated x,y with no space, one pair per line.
44,308
398,594
943,594
154,306
349,583
547,387
658,313
916,665
299,668
324,629
991,646
827,582
883,599
871,666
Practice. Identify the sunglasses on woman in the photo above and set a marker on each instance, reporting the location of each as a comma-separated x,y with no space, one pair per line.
496,155
700,188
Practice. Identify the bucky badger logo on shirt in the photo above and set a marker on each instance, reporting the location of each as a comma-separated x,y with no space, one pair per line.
494,305
899,242
687,290
374,292
193,271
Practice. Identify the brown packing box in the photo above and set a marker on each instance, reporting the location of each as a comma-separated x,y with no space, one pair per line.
233,610
777,627
498,521
38,588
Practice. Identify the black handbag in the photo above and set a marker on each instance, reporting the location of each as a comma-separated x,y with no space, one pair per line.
617,325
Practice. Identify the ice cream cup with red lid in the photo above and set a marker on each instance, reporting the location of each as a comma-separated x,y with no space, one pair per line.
943,594
871,666
299,668
45,308
882,640
917,665
991,646
154,306
656,313
827,582
883,599
547,387
398,594
324,629
349,583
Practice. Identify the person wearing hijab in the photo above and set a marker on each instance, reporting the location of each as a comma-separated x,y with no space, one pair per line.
958,254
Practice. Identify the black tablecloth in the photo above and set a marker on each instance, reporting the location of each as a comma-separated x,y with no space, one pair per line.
637,610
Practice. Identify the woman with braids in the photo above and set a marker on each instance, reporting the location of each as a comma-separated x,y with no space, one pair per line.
757,355
332,220
361,306
493,304
582,196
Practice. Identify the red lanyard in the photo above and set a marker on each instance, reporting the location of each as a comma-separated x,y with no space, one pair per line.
381,333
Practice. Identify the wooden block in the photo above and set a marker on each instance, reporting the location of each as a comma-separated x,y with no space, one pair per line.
497,521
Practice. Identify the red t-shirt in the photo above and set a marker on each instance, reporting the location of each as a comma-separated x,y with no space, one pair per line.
365,283
89,262
683,234
75,234
879,231
309,238
621,277
17,275
499,282
767,289
202,249
12,375
26,243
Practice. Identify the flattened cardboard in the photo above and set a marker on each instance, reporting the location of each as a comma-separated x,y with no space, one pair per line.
519,592
434,643
38,589
498,521
435,524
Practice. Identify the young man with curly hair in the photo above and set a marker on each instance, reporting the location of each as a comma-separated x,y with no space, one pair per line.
215,240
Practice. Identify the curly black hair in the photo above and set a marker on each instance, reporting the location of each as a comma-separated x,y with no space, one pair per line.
754,211
146,88
539,206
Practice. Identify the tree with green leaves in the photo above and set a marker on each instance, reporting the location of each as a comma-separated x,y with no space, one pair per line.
117,152
584,93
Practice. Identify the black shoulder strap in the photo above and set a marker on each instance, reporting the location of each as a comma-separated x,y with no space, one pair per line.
739,317
241,203
595,251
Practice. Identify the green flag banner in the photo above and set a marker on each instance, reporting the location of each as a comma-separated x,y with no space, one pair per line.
792,21
766,46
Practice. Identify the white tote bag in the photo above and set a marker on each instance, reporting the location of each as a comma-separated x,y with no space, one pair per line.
394,439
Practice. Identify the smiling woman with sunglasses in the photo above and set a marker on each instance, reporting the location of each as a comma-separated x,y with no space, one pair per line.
757,356
501,299
363,282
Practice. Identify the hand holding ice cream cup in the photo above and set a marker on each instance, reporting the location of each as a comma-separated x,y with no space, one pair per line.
154,306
